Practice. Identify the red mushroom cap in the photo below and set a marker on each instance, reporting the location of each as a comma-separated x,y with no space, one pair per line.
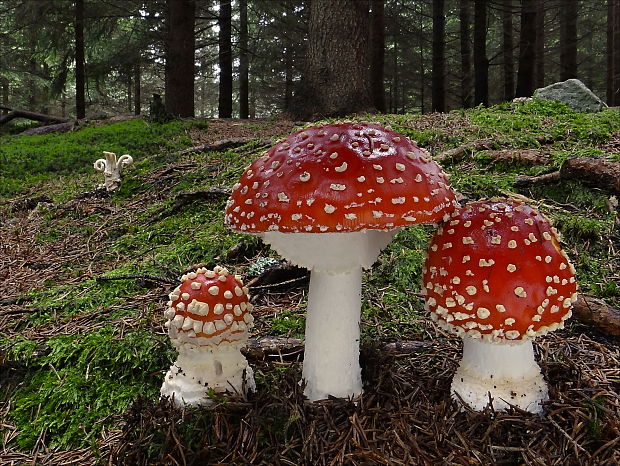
495,270
208,307
340,178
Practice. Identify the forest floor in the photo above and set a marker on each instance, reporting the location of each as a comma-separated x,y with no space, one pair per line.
84,278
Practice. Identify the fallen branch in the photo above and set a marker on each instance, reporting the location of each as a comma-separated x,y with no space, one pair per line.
148,278
598,314
597,172
225,144
458,153
17,113
214,193
283,348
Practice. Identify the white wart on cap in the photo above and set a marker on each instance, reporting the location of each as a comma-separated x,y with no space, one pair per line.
495,270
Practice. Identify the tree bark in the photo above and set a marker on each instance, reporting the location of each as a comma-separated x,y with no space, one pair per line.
507,50
568,39
613,52
467,97
539,71
80,72
137,84
225,60
180,48
439,61
4,83
527,42
244,87
611,9
598,314
481,62
336,76
377,54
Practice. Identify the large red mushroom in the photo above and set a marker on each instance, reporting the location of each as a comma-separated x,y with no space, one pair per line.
208,321
330,198
496,275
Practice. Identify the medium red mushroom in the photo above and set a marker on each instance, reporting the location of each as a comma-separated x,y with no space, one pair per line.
496,275
330,198
208,321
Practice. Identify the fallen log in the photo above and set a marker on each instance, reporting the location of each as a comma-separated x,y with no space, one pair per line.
283,348
49,129
596,313
17,113
597,172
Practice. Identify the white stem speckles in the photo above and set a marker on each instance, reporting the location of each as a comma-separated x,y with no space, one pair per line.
112,168
198,369
508,373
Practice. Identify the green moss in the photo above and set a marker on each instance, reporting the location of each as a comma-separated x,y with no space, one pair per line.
27,160
82,382
288,323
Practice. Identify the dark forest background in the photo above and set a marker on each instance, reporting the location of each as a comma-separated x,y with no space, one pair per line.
302,58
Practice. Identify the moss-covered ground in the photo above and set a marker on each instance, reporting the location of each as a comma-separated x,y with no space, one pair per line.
84,277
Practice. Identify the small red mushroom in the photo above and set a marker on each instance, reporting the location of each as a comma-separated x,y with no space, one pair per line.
208,321
496,274
330,198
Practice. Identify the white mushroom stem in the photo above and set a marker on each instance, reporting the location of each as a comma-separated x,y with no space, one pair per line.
199,369
331,358
506,373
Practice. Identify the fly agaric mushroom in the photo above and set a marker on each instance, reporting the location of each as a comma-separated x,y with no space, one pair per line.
496,275
330,198
208,321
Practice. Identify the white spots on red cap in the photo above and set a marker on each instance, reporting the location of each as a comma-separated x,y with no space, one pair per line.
305,177
520,292
329,209
337,187
511,289
282,197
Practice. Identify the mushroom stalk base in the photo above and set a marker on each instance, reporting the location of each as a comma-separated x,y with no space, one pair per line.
508,375
331,359
200,369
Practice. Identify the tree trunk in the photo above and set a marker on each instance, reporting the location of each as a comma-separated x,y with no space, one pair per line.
539,71
527,42
244,103
80,73
4,82
614,51
137,83
336,76
507,50
467,97
225,60
288,62
180,48
611,9
568,39
439,62
481,62
377,54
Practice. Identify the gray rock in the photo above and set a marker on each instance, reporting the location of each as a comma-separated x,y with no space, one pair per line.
574,93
